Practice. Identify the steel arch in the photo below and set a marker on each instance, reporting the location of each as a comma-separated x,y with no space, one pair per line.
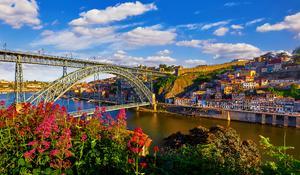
62,85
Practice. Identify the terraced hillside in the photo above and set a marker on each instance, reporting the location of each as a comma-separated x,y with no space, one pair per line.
174,86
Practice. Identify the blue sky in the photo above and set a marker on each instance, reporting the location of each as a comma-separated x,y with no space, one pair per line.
151,32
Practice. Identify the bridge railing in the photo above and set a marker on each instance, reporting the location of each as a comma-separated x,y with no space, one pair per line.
108,108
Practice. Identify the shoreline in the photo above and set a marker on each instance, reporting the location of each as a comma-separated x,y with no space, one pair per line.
277,120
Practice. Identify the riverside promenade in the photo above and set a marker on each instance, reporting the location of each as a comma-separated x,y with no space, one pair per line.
275,119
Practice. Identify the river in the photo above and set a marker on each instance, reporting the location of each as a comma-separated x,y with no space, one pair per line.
161,125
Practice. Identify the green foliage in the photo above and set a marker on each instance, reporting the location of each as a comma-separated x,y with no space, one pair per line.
212,75
293,92
105,155
217,150
201,159
163,82
167,68
281,163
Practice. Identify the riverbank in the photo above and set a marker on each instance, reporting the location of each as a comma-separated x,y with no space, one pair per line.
274,119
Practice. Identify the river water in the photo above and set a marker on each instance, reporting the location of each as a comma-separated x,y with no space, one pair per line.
161,125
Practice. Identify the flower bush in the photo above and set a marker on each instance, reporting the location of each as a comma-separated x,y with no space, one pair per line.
44,139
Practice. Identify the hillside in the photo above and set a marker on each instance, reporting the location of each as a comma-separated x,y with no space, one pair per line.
175,86
210,68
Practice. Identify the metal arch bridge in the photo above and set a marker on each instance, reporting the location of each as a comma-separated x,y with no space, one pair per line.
85,68
58,88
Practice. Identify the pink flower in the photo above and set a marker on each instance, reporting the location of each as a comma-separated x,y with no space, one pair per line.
130,161
54,152
33,143
83,137
29,154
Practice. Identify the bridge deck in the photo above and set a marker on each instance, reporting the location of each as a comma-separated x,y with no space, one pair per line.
50,60
108,108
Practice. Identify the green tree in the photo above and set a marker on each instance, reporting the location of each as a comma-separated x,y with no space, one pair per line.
280,162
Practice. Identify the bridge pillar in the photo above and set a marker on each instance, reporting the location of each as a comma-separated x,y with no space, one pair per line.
228,116
65,71
286,120
154,103
263,119
297,122
273,119
19,95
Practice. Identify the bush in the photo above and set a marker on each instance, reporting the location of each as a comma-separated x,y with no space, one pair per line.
217,150
46,140
281,163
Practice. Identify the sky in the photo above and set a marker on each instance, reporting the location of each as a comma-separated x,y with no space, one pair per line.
149,32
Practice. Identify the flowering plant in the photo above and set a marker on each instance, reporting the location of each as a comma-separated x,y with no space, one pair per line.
44,139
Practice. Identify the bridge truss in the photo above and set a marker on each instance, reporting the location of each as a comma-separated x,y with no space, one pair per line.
64,84
86,67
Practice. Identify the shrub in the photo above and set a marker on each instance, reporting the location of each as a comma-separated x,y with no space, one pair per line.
217,150
46,140
280,163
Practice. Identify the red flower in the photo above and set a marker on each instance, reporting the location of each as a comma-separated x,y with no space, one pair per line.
156,148
130,161
138,130
143,164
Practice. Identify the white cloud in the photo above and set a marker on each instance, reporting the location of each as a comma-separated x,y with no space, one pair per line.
159,59
122,58
194,62
268,27
164,52
291,22
18,13
223,50
220,23
77,38
193,43
111,14
147,36
237,27
249,23
221,31
233,51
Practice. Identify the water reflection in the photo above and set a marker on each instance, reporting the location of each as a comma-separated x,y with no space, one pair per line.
161,125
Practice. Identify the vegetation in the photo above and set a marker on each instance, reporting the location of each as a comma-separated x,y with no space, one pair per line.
293,92
45,140
211,68
171,86
281,162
